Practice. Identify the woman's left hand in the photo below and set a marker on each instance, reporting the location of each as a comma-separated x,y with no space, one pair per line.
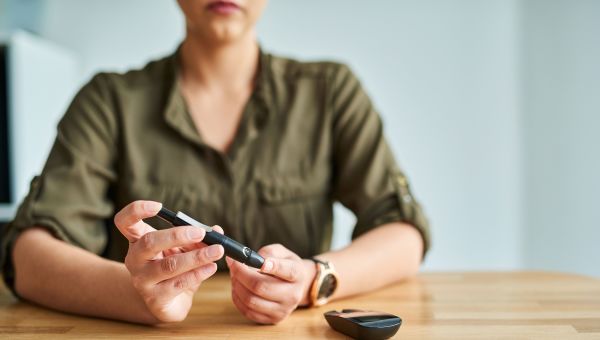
269,299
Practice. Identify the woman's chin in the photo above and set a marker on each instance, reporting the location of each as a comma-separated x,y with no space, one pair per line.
221,34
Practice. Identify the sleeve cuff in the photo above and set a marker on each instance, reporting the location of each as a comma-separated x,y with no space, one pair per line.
399,206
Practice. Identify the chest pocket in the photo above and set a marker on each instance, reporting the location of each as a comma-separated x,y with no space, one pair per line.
291,211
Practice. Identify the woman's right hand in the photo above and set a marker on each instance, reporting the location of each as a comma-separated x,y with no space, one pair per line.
166,266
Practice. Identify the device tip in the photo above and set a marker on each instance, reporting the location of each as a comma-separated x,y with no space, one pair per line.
255,260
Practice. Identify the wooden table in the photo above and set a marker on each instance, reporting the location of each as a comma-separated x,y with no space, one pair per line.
434,305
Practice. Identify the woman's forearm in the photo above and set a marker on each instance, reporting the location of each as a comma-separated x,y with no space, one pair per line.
386,254
58,275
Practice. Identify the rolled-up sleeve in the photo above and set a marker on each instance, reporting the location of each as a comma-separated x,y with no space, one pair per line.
70,196
367,179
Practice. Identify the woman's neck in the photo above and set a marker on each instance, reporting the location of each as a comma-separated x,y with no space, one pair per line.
231,65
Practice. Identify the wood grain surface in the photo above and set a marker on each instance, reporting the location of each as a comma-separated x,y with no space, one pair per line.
508,305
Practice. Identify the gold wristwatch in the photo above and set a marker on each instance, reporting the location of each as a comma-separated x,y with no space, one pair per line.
324,284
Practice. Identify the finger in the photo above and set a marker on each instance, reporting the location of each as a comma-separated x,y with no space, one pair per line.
155,242
267,287
171,266
229,262
192,279
250,314
255,302
218,229
285,269
176,250
199,245
129,219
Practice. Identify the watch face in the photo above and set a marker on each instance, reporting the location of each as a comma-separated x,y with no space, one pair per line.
327,287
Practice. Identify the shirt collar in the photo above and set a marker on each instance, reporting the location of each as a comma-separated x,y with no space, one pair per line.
260,103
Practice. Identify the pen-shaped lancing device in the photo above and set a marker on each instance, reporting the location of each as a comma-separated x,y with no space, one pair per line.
233,249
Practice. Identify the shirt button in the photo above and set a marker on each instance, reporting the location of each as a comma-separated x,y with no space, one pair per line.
407,198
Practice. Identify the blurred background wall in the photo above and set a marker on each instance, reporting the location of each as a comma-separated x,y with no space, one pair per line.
492,107
560,100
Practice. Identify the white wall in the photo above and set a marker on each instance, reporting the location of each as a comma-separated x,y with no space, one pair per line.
442,73
113,35
561,97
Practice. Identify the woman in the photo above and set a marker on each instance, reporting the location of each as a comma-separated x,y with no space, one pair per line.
233,136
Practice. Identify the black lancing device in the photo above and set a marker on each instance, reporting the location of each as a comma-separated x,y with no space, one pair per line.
233,249
361,324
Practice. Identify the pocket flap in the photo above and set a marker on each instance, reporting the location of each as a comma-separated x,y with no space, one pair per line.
286,189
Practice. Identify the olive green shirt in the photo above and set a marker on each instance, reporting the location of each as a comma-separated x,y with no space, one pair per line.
309,136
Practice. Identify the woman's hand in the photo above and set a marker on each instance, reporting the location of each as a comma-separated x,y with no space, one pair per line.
270,295
166,266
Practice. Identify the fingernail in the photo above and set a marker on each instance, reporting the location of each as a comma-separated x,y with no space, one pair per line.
213,251
196,233
151,206
267,266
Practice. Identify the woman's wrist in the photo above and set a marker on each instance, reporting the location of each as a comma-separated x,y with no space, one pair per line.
310,271
126,292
